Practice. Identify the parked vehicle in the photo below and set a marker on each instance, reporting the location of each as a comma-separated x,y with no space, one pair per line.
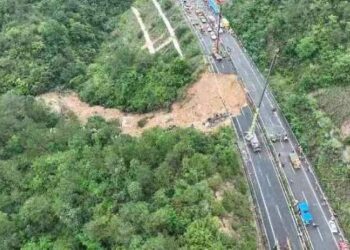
343,245
217,56
294,158
303,209
199,12
211,19
333,227
254,142
213,36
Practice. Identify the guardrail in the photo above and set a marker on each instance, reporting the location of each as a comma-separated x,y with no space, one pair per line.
294,138
253,197
283,180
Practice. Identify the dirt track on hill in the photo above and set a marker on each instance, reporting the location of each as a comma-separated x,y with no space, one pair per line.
203,100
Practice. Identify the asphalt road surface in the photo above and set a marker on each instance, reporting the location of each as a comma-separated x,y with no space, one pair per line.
269,194
302,182
277,217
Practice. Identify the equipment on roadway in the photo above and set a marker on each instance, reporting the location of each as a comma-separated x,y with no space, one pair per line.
254,142
303,209
293,157
225,23
257,109
215,53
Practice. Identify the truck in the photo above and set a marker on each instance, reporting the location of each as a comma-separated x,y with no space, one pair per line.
294,159
305,215
254,142
216,55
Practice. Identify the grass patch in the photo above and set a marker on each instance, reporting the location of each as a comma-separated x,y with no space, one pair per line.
335,101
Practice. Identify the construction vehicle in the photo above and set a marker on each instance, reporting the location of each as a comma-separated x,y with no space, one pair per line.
294,159
216,54
254,142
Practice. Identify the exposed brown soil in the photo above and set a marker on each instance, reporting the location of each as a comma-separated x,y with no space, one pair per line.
203,100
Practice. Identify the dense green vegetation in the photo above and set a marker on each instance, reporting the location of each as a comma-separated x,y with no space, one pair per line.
68,186
88,46
127,76
314,42
45,44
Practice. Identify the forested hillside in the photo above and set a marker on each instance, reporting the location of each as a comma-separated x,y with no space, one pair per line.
90,46
68,186
314,42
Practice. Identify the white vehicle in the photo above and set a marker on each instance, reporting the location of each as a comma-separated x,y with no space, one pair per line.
213,36
203,20
211,19
199,12
210,29
254,142
333,227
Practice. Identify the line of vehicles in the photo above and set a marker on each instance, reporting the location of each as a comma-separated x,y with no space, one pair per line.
208,24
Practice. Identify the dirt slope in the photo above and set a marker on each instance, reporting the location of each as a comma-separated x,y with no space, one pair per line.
203,100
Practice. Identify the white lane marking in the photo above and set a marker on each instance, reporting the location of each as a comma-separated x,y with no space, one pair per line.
307,178
260,82
259,186
284,195
252,180
279,212
304,196
319,233
268,181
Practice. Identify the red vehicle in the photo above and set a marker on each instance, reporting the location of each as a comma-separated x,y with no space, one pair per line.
343,245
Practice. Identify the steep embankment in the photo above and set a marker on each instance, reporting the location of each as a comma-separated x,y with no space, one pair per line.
212,96
64,185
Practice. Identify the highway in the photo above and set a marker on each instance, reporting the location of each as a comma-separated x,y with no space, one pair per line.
302,183
278,221
269,194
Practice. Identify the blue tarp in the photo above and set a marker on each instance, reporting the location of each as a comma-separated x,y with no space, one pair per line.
214,6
